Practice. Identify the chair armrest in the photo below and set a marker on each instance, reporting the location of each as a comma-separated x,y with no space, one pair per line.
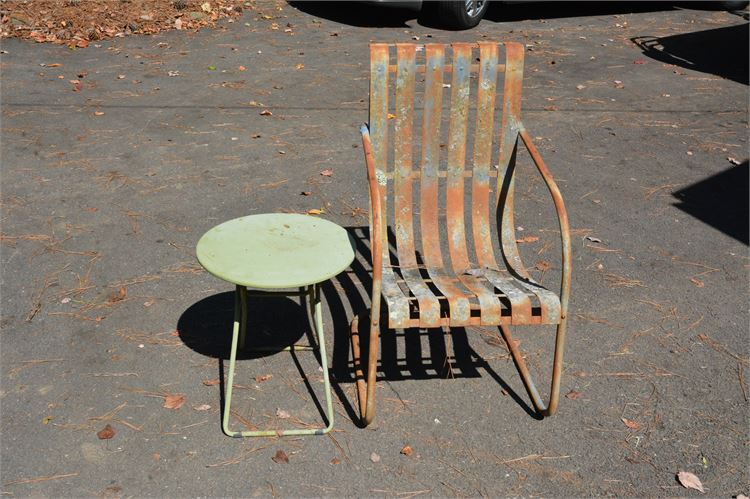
562,216
376,214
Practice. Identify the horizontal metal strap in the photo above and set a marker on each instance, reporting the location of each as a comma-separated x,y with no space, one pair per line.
416,174
448,68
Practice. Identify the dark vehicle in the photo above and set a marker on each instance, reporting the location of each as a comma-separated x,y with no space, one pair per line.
460,14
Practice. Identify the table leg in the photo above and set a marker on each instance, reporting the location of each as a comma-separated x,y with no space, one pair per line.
318,320
238,337
240,323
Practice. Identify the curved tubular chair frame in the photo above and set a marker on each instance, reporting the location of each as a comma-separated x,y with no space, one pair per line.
503,288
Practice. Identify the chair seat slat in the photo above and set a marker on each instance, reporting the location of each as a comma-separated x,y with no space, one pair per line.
520,302
398,304
481,284
429,306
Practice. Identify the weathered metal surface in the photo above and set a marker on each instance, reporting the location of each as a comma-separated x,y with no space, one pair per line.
458,303
504,193
457,134
498,293
448,68
379,126
429,307
480,189
567,263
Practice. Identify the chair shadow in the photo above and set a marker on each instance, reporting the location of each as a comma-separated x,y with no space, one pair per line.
720,201
404,354
719,51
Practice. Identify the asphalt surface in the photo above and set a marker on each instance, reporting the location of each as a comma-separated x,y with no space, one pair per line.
641,112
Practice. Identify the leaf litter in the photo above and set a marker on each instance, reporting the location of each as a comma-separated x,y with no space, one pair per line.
76,23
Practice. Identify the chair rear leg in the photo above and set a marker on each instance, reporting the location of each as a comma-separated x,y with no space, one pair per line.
541,408
365,387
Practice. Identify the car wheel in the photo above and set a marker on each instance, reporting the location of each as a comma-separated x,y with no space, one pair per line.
461,14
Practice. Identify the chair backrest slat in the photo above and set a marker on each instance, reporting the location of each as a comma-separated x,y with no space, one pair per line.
457,135
511,119
487,88
426,144
379,58
403,136
431,117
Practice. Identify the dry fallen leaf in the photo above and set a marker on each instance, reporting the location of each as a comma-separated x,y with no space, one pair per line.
327,172
211,382
391,116
282,414
335,461
690,481
407,450
572,394
543,265
300,66
631,424
697,282
314,211
53,65
106,433
174,401
528,239
119,296
262,378
375,457
280,457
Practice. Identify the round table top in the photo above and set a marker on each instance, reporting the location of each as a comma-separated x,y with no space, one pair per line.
275,250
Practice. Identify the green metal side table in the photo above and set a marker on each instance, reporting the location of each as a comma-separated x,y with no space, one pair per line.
273,253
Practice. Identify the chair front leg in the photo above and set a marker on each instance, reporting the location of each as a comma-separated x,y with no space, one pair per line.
541,408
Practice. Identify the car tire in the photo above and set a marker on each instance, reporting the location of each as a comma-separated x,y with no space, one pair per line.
461,14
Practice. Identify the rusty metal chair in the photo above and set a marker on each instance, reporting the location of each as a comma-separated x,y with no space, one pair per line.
471,287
